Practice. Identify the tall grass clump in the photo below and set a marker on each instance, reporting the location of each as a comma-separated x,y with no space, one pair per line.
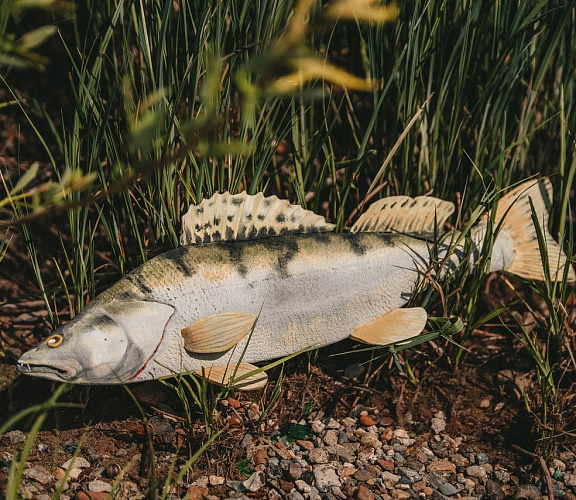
331,105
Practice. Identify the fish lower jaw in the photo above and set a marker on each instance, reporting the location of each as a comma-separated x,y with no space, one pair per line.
61,372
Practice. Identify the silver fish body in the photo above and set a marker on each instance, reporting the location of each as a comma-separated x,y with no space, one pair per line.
307,291
304,291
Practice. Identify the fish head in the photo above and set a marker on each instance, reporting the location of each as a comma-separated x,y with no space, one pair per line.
104,344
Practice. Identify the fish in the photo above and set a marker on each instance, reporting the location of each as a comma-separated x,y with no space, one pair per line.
256,278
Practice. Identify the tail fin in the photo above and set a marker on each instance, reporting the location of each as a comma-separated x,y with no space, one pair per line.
516,213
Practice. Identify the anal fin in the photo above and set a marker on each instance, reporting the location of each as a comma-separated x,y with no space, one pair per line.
223,374
394,326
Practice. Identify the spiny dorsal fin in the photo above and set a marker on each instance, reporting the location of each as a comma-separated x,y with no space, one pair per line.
394,326
217,333
228,217
223,374
403,214
515,210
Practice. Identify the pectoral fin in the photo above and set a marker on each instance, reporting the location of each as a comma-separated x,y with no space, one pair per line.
221,375
394,326
217,333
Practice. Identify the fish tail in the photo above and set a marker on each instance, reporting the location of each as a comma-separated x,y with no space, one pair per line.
517,249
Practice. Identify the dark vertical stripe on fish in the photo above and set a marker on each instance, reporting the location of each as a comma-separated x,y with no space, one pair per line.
237,258
290,251
136,280
181,263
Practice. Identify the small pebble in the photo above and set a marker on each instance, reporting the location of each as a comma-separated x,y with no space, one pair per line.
234,403
73,473
295,495
343,437
435,479
362,475
203,481
196,492
387,434
331,437
286,485
409,474
386,464
364,493
260,457
111,471
476,471
528,492
38,474
216,480
246,441
390,480
438,423
356,411
354,370
370,439
326,477
399,494
91,495
333,424
255,482
13,437
234,485
419,486
442,466
302,486
459,460
366,421
294,470
78,462
448,489
494,490
70,447
99,486
318,456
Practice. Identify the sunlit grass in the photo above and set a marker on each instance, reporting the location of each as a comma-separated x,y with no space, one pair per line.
176,100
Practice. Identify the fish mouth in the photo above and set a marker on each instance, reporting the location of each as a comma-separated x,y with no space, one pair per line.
65,370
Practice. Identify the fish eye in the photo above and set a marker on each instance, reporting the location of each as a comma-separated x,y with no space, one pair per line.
54,340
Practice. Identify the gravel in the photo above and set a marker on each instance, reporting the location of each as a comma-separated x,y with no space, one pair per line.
363,456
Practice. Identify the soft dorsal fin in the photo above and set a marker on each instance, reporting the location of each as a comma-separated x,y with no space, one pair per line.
228,217
217,333
223,374
394,326
403,214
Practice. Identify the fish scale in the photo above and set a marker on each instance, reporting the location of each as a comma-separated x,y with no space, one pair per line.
298,295
257,279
